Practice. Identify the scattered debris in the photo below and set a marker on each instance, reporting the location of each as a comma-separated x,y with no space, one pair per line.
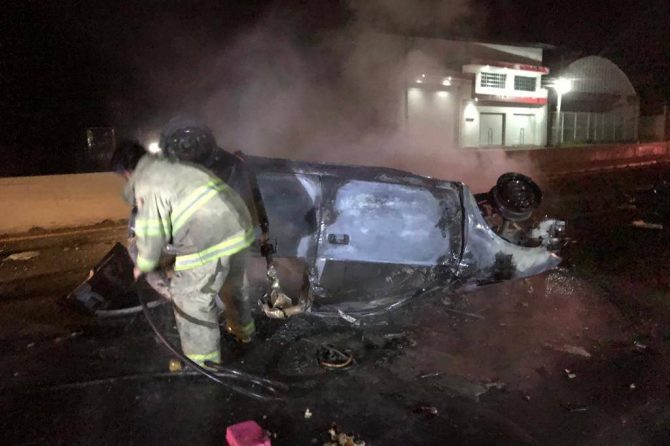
485,387
640,346
644,225
632,386
175,366
308,414
247,433
342,439
578,409
572,349
498,385
431,375
346,317
30,345
22,256
463,313
330,357
569,374
394,336
428,411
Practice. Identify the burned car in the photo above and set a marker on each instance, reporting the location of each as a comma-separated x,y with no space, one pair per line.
369,238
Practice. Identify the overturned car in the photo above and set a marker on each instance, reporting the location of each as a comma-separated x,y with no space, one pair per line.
368,238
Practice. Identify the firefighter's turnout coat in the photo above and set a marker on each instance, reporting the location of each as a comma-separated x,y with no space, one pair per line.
189,207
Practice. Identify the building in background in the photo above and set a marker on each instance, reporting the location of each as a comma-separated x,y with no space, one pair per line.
476,94
473,94
602,105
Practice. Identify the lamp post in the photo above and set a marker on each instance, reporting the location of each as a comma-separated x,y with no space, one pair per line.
561,86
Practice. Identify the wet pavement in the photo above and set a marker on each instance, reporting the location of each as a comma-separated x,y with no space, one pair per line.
580,355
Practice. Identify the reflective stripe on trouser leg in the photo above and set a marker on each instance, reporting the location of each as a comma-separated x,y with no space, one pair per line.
194,292
236,295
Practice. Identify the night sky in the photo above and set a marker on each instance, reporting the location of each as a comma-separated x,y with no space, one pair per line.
68,65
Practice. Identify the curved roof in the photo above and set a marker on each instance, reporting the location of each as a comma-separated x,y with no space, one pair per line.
595,74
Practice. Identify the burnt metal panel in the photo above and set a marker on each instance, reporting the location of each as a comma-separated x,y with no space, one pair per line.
388,223
370,235
293,203
488,258
371,230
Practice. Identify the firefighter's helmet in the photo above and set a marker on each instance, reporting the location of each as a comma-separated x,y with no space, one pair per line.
188,140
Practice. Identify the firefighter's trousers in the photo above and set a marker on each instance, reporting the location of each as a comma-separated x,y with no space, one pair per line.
194,293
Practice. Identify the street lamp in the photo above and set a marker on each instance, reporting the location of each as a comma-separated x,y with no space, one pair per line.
154,148
561,86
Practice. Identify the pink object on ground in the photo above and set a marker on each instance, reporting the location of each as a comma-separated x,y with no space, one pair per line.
247,433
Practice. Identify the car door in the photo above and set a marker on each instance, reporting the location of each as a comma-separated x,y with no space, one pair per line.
379,238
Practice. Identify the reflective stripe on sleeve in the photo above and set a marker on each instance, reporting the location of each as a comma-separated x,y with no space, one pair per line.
152,227
228,247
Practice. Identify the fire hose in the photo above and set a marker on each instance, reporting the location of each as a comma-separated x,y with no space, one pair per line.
271,390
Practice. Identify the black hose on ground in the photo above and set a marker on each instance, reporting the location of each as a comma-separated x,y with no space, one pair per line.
274,389
128,311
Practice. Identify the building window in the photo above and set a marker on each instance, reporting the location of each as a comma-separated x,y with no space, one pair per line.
493,80
525,83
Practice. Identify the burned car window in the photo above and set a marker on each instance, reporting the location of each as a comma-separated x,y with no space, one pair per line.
377,237
388,223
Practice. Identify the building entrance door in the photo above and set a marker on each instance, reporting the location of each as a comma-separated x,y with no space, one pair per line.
522,130
491,127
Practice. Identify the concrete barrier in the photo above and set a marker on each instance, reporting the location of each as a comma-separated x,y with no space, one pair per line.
60,201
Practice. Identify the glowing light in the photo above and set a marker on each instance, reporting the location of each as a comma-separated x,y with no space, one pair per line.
423,76
470,111
562,85
446,82
442,94
419,81
153,147
415,93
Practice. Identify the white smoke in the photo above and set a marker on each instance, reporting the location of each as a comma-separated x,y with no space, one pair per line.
337,98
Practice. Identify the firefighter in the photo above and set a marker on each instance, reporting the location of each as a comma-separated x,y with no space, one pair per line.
210,228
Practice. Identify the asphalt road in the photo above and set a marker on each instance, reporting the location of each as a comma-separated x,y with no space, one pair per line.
578,356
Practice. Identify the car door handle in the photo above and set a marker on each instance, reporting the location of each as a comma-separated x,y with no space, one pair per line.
338,239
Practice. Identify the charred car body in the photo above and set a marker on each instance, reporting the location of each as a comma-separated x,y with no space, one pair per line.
371,237
368,238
